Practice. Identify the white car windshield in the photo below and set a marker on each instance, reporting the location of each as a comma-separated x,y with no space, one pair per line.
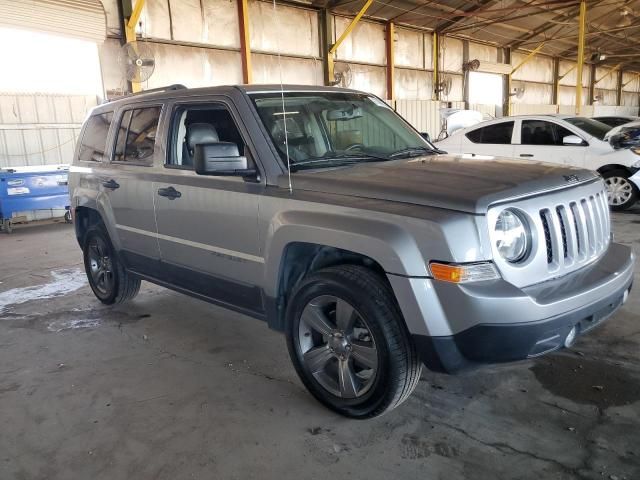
590,126
322,129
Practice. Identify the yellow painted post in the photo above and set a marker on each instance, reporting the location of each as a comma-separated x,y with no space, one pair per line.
245,41
344,35
436,65
391,58
130,33
580,60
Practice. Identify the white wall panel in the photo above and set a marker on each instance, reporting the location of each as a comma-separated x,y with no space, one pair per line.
537,69
571,77
534,93
484,53
450,54
456,93
630,99
268,69
409,48
155,19
606,97
485,109
186,18
599,110
368,78
632,81
532,109
567,96
221,24
366,43
112,74
194,67
287,30
585,110
608,79
413,84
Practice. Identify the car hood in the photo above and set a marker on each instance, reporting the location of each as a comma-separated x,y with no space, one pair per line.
464,183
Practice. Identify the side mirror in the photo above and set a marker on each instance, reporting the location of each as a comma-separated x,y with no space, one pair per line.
220,158
426,136
572,140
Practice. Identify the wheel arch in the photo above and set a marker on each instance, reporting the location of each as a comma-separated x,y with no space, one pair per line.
610,167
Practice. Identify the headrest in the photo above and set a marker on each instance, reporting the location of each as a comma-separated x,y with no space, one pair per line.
201,133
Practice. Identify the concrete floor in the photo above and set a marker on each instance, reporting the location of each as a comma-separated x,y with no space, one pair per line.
169,387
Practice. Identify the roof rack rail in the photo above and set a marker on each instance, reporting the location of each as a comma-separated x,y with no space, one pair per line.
168,88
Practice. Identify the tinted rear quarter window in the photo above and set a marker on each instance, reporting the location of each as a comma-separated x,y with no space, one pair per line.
94,138
136,137
499,133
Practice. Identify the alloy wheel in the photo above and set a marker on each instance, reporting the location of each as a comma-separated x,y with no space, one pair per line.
101,266
337,347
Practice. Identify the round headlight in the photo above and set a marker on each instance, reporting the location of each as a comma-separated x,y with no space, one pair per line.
511,236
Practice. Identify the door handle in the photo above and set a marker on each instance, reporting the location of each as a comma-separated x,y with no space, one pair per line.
111,184
169,192
526,154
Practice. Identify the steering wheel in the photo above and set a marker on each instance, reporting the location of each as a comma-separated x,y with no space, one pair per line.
353,146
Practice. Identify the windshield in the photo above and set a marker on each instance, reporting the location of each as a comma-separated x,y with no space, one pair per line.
592,127
328,128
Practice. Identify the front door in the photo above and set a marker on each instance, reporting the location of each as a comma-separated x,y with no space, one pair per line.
130,189
207,225
542,140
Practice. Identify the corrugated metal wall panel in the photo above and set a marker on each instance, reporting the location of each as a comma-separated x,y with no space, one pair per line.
40,129
614,110
487,109
424,115
74,18
532,109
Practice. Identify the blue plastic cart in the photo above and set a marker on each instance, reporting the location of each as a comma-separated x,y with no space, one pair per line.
30,189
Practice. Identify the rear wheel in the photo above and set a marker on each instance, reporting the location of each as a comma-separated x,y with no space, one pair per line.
349,344
108,279
621,192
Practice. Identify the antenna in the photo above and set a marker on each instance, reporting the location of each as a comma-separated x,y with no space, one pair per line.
284,110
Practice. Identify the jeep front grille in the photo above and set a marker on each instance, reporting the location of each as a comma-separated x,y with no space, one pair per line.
576,231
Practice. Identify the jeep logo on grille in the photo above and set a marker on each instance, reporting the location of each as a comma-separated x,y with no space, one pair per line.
571,178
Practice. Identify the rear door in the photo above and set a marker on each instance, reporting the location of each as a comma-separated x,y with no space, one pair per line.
129,185
542,140
494,139
208,225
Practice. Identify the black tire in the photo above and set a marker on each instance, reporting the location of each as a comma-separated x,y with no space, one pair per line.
398,365
121,285
621,175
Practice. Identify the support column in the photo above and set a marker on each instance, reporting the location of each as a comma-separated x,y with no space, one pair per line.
391,60
465,73
592,84
436,65
326,40
506,85
582,20
245,41
619,89
556,82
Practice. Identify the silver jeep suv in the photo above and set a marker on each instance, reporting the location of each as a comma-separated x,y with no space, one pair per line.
322,212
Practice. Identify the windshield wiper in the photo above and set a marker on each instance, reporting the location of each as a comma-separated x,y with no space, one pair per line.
411,150
346,158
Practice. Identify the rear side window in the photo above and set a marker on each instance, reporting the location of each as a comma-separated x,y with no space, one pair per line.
94,139
136,137
499,133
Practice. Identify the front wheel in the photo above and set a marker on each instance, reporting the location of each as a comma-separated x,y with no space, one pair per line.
348,342
108,279
621,192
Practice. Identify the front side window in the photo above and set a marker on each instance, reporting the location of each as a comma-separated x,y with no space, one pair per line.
321,129
94,139
200,124
136,137
498,133
540,132
590,126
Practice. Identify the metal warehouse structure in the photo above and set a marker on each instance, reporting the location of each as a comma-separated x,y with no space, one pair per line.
563,56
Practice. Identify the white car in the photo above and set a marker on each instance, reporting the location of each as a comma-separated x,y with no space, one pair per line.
563,139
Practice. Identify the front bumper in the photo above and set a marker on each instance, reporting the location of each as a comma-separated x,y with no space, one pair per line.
490,322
